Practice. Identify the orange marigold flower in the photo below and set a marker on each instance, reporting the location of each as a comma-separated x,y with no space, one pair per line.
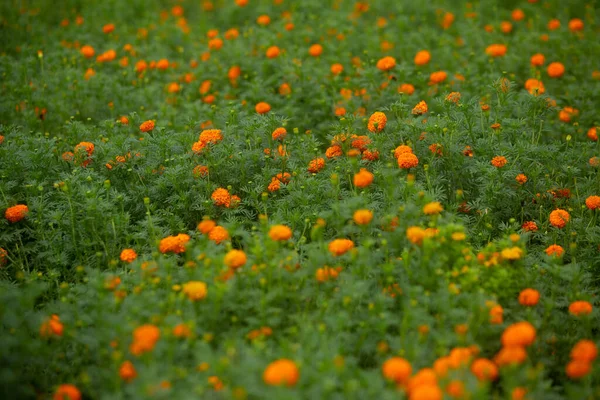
537,60
575,25
407,160
274,186
316,165
592,134
422,57
484,369
518,334
108,28
433,208
273,52
529,297
337,69
593,202
510,355
415,234
128,255
386,63
326,274
333,151
397,369
567,113
363,217
147,126
218,234
453,97
221,197
521,179
87,51
174,244
235,259
584,350
52,327
401,150
580,307
406,88
85,147
210,136
195,290
554,250
182,331
363,178
437,77
577,369
517,15
200,171
262,107
280,233
3,257
559,218
315,50
420,109
377,122
553,24
127,371
498,161
16,213
534,87
555,70
279,133
337,247
67,392
206,225
144,339
529,226
496,315
263,20
496,50
281,372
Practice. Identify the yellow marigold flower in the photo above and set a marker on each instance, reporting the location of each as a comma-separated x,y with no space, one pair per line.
458,236
195,290
433,208
512,253
235,259
363,217
415,234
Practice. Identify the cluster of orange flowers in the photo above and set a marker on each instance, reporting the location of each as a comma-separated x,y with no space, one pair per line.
174,244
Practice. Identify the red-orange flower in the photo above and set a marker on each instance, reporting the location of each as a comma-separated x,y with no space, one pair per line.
559,218
338,247
67,392
580,307
281,372
386,63
147,126
262,107
16,213
593,202
529,297
144,339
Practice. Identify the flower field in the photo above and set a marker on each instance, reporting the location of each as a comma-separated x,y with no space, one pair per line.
277,199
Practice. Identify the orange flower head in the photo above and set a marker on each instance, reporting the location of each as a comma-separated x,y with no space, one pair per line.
521,179
206,225
338,247
316,165
537,60
363,178
580,307
496,315
386,63
221,197
108,28
397,369
496,50
422,57
529,226
262,107
235,259
16,213
499,161
420,109
553,24
433,208
363,217
517,15
147,126
377,122
87,51
555,70
279,134
453,97
52,327
585,350
407,160
593,202
280,233
484,369
210,136
144,339
195,290
218,234
592,134
128,255
401,150
281,372
333,151
273,52
67,392
315,50
554,250
529,297
437,77
406,88
127,371
263,20
519,334
510,355
174,244
200,171
559,218
577,369
415,234
575,25
337,69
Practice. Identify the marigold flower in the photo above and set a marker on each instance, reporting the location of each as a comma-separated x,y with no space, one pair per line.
407,160
315,50
406,88
512,253
67,392
496,50
517,15
128,255
3,257
182,331
147,126
433,208
279,133
51,327
218,234
281,372
498,161
537,60
273,52
554,250
200,171
521,179
280,233
174,244
580,307
377,122
316,165
386,63
555,70
144,339
518,334
235,259
210,136
422,57
108,28
420,109
510,355
397,369
593,202
333,151
275,185
484,369
326,274
363,217
577,369
127,371
415,234
529,226
16,213
262,107
87,51
221,197
592,134
496,315
559,218
206,225
336,68
437,77
575,25
337,247
529,297
453,97
584,350
263,20
195,290
363,178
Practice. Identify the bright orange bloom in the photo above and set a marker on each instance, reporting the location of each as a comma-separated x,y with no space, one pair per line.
87,51
407,160
235,259
415,234
592,134
316,165
273,52
422,57
144,339
496,50
67,392
585,350
337,69
559,218
280,233
147,126
174,244
363,178
281,372
338,247
221,197
577,369
537,60
386,63
521,179
555,70
315,50
529,226
496,315
519,334
16,213
554,250
433,208
218,234
517,15
51,327
363,217
593,202
263,20
262,107
377,122
484,369
397,369
195,290
580,307
575,25
108,28
553,24
529,297
437,77
128,255
510,355
326,274
127,371
406,88
499,161
420,109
